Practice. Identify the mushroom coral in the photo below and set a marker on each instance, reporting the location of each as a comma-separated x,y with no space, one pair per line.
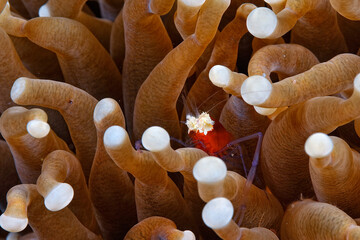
108,84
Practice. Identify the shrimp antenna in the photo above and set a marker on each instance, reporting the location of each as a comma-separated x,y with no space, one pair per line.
189,105
209,97
179,142
239,216
217,105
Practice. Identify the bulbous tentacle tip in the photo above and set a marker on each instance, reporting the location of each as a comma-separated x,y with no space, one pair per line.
18,88
261,22
188,235
209,170
13,224
220,75
114,136
44,11
217,213
103,108
255,90
59,197
155,139
37,128
318,145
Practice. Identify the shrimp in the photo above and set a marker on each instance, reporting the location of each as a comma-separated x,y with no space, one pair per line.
207,134
210,136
